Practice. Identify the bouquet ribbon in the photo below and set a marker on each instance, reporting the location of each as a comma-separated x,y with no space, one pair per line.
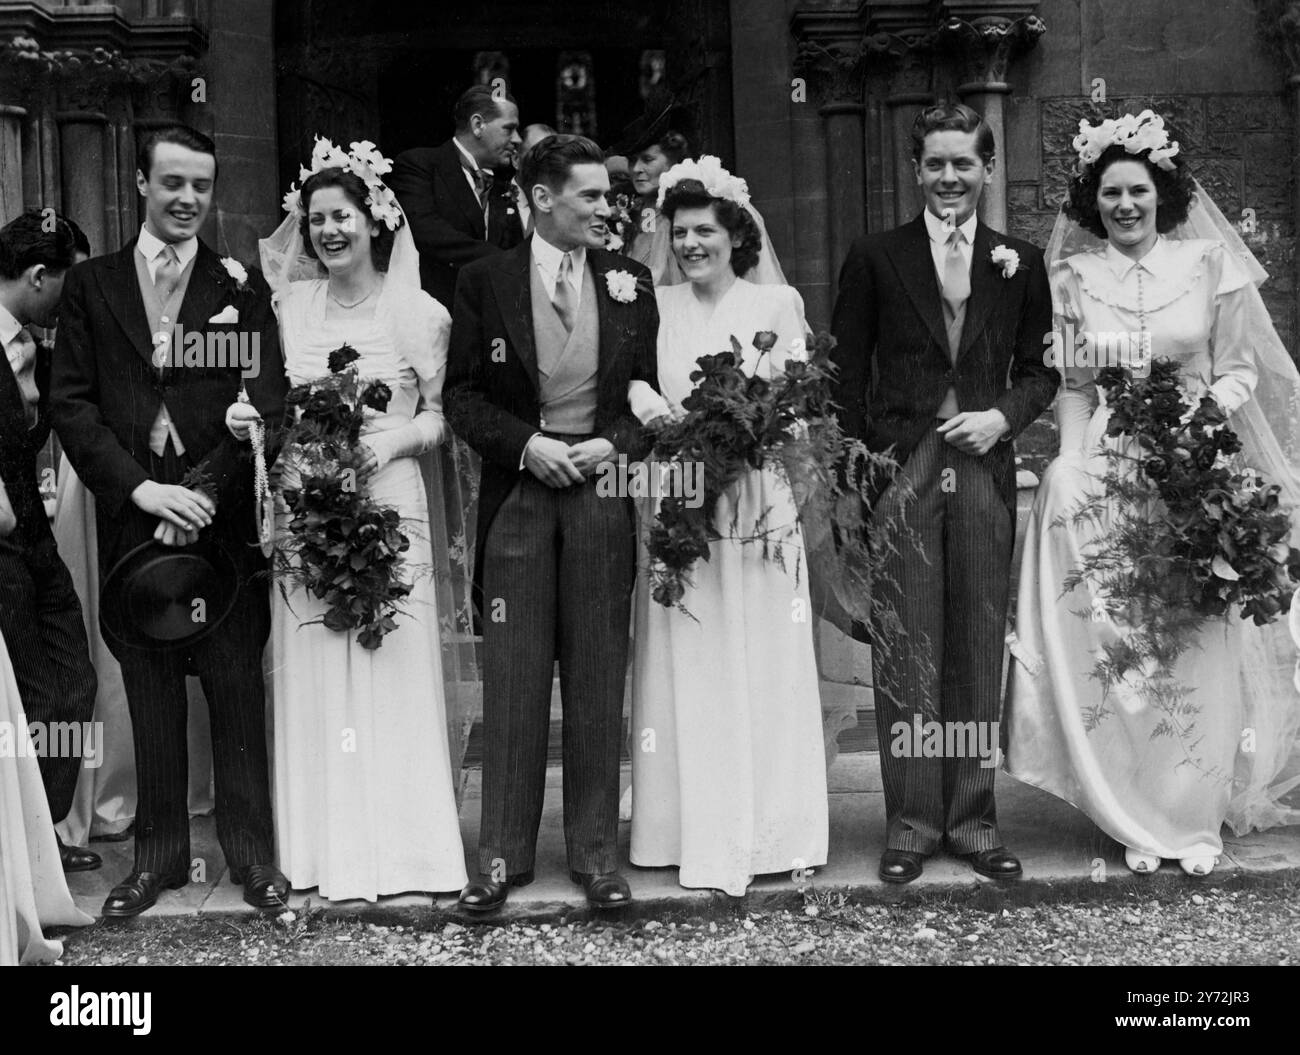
263,503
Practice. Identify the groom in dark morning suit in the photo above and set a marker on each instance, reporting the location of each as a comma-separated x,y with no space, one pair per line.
544,341
459,197
134,424
941,358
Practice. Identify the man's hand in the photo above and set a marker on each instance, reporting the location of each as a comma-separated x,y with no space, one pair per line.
175,505
170,535
975,431
588,455
238,417
549,461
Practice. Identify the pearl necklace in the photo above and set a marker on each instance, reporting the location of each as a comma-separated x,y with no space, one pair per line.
330,294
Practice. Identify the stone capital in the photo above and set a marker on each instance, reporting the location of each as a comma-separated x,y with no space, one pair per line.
830,54
905,57
985,37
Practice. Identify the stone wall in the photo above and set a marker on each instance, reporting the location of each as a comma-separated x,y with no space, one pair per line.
242,105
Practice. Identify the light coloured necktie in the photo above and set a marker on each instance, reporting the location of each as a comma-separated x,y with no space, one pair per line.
956,275
564,299
168,275
24,368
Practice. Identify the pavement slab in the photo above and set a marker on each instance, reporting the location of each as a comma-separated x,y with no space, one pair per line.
1063,853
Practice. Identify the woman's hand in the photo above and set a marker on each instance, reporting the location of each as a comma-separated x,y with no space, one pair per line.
238,418
672,416
368,464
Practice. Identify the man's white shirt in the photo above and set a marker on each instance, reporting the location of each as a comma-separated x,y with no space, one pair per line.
939,235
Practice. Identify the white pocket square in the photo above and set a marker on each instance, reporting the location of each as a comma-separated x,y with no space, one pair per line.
229,313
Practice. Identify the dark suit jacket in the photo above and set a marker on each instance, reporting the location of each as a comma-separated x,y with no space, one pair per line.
445,217
892,351
106,393
491,391
31,539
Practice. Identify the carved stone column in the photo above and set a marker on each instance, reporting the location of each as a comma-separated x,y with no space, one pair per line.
41,178
832,58
20,71
86,155
838,91
906,58
11,160
985,37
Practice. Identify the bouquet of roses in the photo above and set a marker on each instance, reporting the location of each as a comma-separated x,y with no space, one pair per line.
736,422
343,547
1197,532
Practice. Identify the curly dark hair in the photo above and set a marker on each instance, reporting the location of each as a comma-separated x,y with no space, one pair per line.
735,218
1174,190
381,244
953,117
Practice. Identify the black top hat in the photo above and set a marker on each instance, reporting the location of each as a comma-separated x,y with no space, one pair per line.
163,597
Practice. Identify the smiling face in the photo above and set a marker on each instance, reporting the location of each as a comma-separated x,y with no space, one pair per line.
340,230
651,163
1127,201
702,245
575,214
951,174
177,192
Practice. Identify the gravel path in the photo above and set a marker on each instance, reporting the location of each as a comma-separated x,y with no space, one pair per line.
1185,925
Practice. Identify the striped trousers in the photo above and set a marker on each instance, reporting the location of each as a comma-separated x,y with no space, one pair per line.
948,581
558,571
40,617
229,666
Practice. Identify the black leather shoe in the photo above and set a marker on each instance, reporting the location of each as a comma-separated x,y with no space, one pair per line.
77,859
485,894
998,863
138,892
900,866
606,890
264,886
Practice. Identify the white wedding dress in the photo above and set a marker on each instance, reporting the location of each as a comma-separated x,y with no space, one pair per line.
364,798
33,890
728,762
1160,794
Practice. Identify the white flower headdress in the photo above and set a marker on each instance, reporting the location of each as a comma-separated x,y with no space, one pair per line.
1146,131
365,162
717,181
